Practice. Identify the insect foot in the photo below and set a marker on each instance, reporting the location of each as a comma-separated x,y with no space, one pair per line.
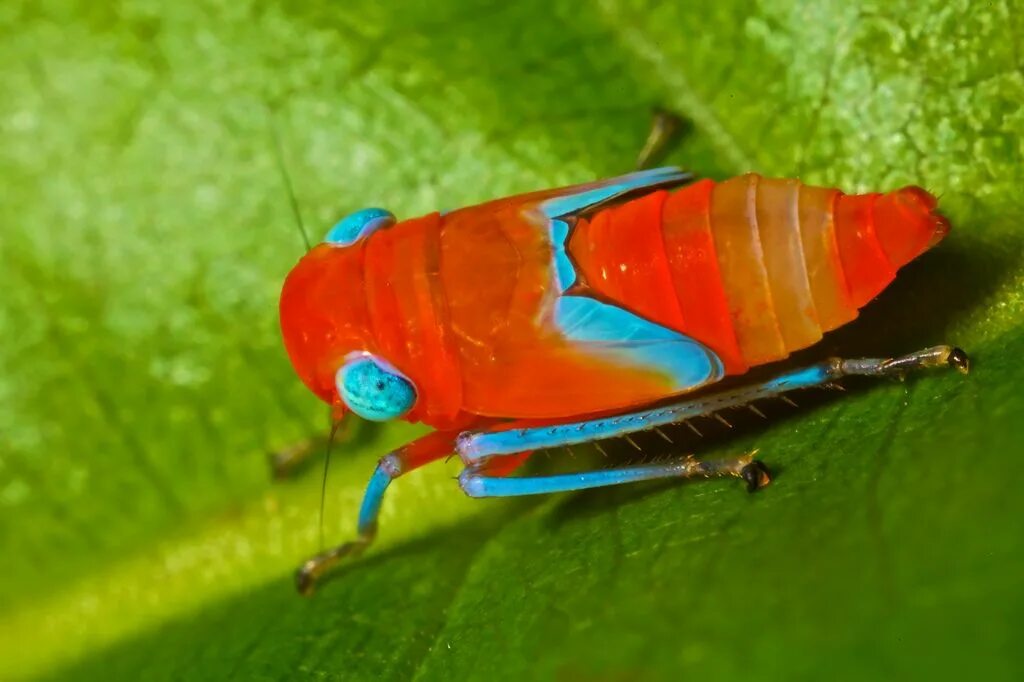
312,569
934,357
756,475
753,472
959,360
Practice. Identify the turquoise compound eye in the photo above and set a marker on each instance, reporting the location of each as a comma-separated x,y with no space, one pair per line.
373,389
355,226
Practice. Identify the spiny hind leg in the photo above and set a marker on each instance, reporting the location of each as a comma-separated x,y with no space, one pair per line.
476,447
476,482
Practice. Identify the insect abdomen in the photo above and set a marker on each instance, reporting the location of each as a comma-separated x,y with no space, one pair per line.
753,267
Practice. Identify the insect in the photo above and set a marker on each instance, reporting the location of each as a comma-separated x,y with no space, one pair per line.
588,312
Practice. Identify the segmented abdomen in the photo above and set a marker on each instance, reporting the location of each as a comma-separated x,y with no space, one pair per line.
753,267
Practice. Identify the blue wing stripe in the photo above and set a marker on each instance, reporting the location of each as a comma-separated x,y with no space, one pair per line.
564,269
553,209
607,330
580,201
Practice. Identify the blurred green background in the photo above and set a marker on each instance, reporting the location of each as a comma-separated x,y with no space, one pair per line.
145,228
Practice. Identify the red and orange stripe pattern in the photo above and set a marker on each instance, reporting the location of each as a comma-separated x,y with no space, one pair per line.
755,268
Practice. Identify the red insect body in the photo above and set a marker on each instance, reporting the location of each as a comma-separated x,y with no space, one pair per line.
753,268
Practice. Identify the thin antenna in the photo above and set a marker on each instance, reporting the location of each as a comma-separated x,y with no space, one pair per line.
283,168
323,484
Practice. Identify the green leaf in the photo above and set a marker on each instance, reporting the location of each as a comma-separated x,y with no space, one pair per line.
146,227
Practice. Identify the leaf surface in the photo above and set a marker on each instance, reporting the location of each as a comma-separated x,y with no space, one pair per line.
145,229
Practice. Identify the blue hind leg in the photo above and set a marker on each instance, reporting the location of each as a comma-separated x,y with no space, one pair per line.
477,484
476,446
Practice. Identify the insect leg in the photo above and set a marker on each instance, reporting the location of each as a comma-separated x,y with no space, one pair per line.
477,483
664,128
288,460
475,446
421,451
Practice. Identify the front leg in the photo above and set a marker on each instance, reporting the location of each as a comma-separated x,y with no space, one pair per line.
421,451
